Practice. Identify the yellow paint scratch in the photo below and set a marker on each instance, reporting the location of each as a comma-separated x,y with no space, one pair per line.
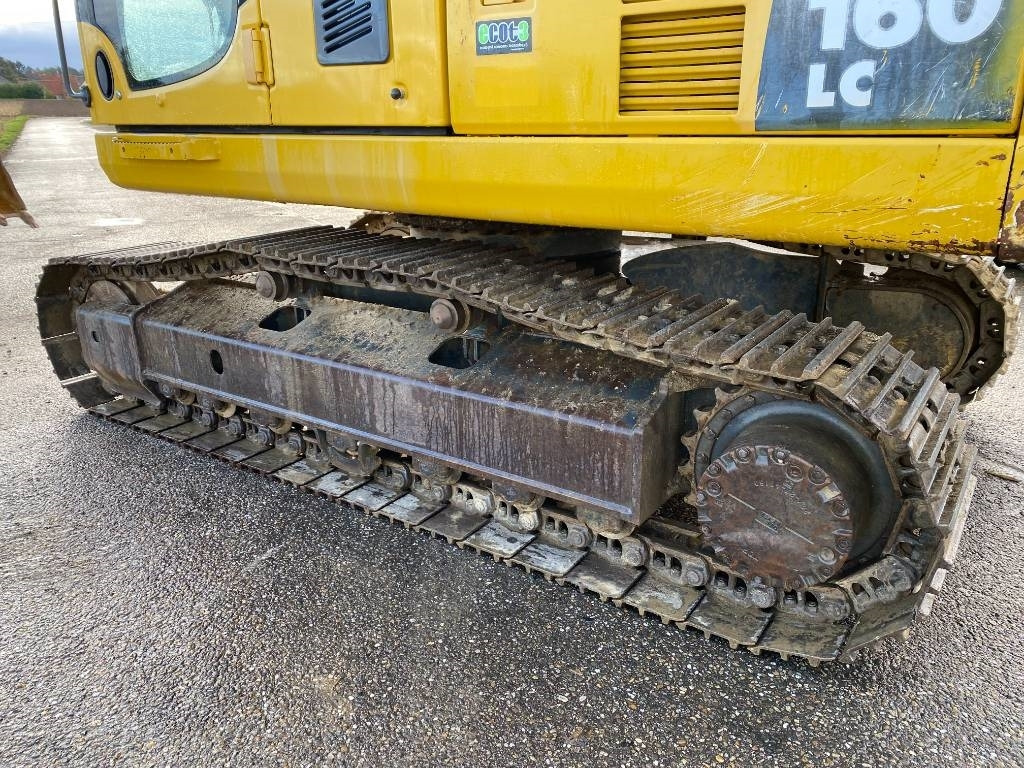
975,74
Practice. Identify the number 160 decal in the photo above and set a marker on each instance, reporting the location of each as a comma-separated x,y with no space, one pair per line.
834,64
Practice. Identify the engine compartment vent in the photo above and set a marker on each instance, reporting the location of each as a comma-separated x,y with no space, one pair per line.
351,31
682,61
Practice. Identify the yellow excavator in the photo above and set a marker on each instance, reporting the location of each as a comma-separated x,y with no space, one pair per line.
754,428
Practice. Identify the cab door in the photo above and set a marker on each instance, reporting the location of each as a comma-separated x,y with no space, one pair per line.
174,62
357,63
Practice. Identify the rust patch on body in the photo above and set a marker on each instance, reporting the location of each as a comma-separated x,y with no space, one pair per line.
1011,237
953,246
1011,240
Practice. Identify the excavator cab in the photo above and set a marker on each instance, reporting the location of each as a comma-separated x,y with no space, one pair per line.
755,431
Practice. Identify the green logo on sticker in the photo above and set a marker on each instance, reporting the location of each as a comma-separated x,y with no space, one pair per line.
504,36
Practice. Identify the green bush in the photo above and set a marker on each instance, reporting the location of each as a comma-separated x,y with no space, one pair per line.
21,91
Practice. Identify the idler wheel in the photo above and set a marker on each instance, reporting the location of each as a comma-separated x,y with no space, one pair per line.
769,512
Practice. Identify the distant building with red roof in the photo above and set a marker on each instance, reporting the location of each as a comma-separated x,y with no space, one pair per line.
53,83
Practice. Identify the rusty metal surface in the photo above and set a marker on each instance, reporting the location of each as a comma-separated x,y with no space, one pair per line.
857,376
957,313
774,280
11,203
940,309
545,241
1011,238
600,429
941,331
658,585
771,512
979,294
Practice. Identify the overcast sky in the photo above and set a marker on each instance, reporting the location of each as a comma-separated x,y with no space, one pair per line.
26,32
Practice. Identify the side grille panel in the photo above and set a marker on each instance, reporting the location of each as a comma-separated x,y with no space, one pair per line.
684,61
351,31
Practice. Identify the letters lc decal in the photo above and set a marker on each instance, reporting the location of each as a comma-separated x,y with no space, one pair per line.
878,63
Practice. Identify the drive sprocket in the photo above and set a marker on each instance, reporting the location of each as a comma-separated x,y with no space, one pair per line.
786,491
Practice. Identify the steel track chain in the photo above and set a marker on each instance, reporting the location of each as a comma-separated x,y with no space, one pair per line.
853,372
654,571
981,278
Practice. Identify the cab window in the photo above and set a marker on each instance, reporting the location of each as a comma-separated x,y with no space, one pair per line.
165,41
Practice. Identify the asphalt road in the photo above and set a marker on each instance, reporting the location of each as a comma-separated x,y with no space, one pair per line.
159,608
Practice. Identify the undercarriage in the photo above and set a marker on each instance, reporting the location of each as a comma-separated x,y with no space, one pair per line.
787,484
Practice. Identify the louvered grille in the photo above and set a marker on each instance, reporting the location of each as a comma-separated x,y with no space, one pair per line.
682,61
351,31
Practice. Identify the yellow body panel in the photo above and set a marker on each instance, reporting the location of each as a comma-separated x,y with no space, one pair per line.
219,96
922,193
570,82
306,93
550,135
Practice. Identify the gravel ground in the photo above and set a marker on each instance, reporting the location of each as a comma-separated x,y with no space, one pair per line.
159,608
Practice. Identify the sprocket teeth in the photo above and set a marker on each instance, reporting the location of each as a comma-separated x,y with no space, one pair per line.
690,444
725,392
703,414
993,278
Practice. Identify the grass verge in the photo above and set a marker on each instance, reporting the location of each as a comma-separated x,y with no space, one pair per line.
10,130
